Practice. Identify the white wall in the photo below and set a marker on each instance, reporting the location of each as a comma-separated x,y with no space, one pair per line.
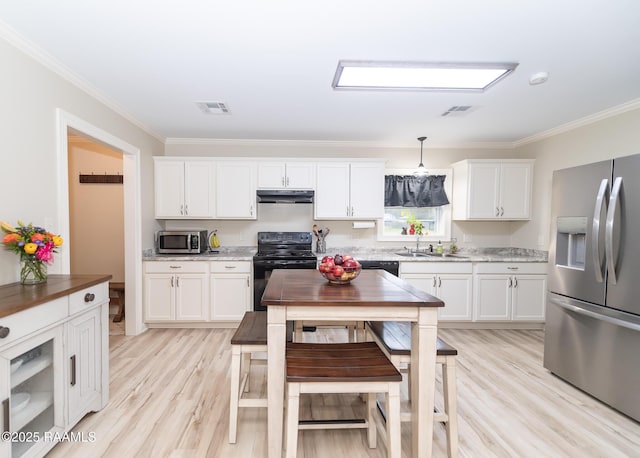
30,94
300,217
605,139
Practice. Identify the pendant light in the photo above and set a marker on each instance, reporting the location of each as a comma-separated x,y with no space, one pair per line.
421,169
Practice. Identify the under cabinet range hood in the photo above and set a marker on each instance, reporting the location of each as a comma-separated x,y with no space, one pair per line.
284,196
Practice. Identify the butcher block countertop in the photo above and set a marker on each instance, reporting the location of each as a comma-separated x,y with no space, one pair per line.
16,297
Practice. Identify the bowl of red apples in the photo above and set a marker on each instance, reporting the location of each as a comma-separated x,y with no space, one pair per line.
339,269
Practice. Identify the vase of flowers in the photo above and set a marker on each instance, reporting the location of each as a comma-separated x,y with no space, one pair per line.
35,246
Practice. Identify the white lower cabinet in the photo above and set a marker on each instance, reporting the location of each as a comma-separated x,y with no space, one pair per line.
510,291
493,291
53,369
195,291
449,281
176,291
230,290
84,383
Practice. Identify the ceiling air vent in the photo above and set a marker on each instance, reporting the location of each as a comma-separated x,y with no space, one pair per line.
213,107
457,110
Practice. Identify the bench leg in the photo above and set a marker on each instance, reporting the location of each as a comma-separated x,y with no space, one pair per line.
297,332
360,332
246,369
234,395
293,412
393,421
371,424
450,405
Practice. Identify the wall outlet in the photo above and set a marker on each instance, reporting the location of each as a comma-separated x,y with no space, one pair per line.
467,238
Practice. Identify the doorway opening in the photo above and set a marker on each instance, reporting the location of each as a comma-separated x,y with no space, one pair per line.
67,123
96,217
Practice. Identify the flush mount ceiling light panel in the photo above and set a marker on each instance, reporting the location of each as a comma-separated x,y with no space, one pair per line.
419,76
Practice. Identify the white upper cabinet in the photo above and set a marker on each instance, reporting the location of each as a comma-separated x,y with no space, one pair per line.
183,188
486,189
349,190
280,175
236,183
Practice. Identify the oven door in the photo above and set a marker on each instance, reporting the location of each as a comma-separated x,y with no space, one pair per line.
262,271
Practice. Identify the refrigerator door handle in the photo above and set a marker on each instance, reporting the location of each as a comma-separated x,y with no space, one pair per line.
597,316
595,232
608,236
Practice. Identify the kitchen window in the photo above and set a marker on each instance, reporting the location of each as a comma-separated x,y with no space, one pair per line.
436,221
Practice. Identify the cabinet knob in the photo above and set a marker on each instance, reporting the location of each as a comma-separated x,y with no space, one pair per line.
89,297
4,332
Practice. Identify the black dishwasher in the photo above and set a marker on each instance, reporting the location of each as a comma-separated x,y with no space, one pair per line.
390,266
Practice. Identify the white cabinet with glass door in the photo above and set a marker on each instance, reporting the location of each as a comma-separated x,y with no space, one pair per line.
236,184
353,190
184,188
451,282
486,189
32,393
282,175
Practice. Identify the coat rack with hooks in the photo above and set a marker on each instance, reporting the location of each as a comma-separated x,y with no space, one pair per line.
106,178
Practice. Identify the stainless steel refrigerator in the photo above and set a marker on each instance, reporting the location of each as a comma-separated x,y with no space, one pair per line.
592,332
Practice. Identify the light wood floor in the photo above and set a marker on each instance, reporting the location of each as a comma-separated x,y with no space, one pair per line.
169,397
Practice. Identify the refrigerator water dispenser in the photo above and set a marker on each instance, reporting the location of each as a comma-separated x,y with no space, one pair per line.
571,242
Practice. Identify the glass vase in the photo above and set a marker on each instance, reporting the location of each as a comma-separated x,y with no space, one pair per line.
32,271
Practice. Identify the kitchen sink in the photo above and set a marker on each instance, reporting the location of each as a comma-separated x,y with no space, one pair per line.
413,254
426,254
446,255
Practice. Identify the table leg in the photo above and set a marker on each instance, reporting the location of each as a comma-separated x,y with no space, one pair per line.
276,341
423,379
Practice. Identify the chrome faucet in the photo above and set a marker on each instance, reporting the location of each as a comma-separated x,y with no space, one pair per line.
417,243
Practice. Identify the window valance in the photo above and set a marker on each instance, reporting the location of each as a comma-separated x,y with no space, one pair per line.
414,191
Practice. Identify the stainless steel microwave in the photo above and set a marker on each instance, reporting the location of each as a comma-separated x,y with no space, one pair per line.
181,242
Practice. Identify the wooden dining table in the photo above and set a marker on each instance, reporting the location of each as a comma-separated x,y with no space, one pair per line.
375,295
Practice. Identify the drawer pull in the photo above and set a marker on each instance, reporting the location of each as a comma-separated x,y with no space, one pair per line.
512,268
89,297
4,332
230,267
175,267
6,414
73,370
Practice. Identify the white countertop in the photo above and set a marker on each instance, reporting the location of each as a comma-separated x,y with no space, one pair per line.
370,254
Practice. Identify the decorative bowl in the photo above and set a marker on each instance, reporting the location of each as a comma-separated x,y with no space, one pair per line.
338,275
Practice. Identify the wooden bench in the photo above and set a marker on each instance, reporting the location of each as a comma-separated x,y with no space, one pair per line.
343,368
394,338
249,338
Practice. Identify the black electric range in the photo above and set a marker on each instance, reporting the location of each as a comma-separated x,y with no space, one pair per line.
279,250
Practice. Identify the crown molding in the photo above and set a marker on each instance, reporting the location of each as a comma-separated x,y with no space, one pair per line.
599,116
48,61
328,143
